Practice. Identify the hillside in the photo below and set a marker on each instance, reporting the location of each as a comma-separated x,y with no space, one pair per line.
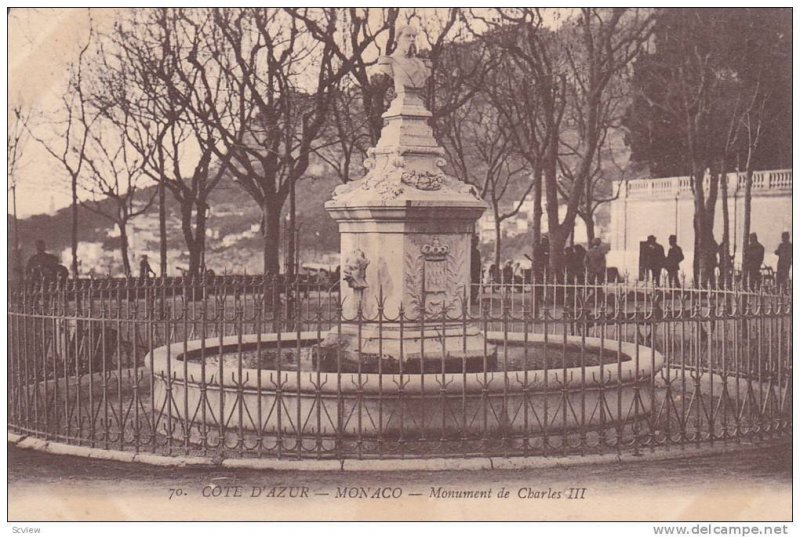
233,237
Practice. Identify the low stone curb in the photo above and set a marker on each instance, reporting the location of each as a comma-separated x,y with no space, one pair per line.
439,464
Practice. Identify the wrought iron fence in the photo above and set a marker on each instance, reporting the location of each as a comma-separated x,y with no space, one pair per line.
238,367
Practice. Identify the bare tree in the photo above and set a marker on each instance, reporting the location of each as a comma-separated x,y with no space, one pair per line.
152,72
481,153
762,70
597,119
598,187
281,70
603,45
688,77
459,63
348,134
734,115
68,138
17,137
569,69
529,93
115,179
753,122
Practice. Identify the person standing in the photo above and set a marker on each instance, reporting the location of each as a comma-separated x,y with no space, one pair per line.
655,259
751,264
673,262
596,262
508,272
41,265
144,268
784,253
475,270
494,274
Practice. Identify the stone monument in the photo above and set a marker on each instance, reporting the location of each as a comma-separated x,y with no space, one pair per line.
405,242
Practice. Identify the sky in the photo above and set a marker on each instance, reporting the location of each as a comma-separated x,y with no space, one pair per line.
42,43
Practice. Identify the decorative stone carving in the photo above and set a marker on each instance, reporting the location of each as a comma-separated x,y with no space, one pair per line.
354,271
383,179
423,180
385,189
435,275
435,251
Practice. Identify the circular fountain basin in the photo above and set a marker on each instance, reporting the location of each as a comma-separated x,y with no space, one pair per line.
553,386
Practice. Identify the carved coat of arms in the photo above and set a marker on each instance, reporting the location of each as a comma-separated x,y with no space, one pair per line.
435,276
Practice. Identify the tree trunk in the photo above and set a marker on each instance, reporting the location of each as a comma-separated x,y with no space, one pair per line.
697,251
123,248
537,207
195,238
558,240
195,257
291,232
587,216
556,233
724,267
748,203
496,239
272,232
74,233
589,221
200,236
697,223
162,228
705,248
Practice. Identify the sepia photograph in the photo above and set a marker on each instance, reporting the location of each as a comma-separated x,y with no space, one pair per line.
399,264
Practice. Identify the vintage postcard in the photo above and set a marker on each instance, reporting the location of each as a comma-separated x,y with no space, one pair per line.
400,264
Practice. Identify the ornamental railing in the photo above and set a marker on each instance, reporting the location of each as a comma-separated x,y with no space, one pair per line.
763,181
244,368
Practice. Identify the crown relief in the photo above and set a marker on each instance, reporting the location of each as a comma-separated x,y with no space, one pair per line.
435,251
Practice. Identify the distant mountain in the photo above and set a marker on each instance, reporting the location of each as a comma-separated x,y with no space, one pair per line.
233,237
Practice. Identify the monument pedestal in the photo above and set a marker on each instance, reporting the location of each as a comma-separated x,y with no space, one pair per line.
417,269
406,231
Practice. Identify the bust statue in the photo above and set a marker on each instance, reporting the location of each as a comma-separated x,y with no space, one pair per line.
409,72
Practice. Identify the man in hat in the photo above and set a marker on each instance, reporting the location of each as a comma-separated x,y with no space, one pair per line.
784,253
752,261
673,262
655,259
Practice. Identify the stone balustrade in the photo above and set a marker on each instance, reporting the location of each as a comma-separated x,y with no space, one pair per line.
772,180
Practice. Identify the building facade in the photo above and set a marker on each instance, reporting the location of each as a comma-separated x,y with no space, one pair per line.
665,206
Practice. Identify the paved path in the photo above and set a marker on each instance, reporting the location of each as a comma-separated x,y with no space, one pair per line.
755,485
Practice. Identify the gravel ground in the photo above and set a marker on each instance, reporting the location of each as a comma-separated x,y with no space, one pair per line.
754,485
